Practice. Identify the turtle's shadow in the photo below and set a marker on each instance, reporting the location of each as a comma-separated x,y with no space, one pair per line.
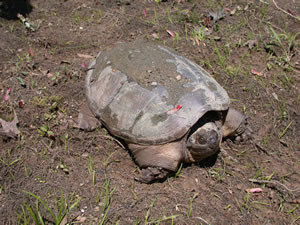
9,9
208,162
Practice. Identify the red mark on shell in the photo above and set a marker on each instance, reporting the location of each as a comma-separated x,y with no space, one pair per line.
178,107
145,13
175,109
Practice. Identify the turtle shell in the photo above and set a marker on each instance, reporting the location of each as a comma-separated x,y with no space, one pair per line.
148,94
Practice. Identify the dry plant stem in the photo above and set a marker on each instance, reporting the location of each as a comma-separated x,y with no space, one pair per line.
295,17
275,185
115,140
203,220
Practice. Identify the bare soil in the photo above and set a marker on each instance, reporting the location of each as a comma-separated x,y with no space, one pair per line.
254,52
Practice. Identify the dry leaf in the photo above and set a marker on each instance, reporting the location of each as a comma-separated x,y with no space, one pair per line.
10,129
86,119
171,33
216,16
254,190
251,44
6,96
83,65
255,72
85,56
197,41
31,52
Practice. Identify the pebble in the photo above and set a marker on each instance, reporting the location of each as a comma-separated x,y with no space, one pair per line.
85,155
154,83
178,77
81,219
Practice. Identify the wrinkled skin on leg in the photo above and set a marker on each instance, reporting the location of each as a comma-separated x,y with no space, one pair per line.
236,126
157,161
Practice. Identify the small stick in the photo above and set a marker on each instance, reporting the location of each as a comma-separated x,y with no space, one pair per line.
203,220
274,184
295,17
25,22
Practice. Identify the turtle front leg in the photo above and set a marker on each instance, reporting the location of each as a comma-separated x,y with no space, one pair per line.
151,174
157,161
236,126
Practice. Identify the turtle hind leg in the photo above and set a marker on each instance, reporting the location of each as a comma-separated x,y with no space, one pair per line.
236,126
151,174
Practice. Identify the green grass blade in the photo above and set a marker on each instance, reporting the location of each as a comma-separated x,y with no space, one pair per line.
32,214
105,215
66,211
276,36
44,204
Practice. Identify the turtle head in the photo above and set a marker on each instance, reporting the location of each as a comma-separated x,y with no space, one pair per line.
203,142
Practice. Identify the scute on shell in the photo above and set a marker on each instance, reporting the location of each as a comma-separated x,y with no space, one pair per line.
120,91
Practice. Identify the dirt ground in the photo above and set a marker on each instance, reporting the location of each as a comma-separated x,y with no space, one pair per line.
253,51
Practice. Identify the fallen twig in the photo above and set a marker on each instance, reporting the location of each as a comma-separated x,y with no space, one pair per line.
203,220
281,9
275,184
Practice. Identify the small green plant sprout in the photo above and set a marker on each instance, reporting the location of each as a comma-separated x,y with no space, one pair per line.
285,130
199,33
107,160
49,116
34,215
45,131
66,136
191,200
246,203
179,170
63,167
9,164
53,103
56,77
107,202
221,58
91,169
285,43
218,173
21,82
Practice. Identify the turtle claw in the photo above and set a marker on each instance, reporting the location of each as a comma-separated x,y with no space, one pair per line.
244,133
151,174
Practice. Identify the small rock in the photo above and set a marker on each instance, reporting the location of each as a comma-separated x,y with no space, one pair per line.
178,77
155,35
81,219
85,154
275,96
154,84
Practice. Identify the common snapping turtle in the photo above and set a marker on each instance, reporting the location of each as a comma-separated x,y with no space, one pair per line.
165,107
